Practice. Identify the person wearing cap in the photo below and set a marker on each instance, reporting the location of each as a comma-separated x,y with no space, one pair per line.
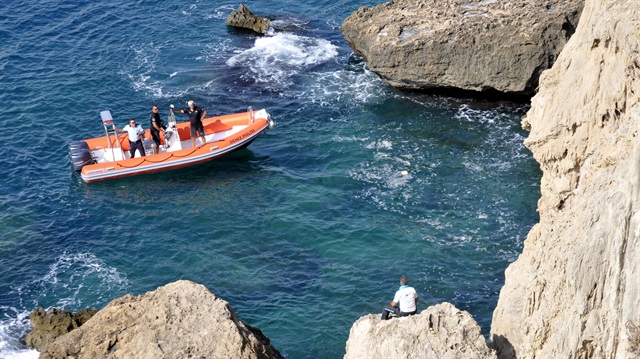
155,126
196,115
135,137
404,302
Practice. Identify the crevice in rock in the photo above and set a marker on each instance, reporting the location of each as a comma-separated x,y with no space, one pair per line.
568,28
112,345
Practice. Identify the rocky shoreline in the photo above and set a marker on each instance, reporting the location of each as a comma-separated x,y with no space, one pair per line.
572,293
179,320
482,46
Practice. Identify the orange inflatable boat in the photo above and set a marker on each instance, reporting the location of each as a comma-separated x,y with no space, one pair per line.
107,157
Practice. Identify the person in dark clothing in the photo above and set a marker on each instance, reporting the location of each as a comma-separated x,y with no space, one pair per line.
156,125
136,134
196,115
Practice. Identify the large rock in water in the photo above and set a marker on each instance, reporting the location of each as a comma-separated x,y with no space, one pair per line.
462,44
574,292
243,18
456,335
51,324
180,320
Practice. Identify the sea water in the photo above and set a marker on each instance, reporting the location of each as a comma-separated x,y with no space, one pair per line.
303,232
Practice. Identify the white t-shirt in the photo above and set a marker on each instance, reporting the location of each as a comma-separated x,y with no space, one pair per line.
133,132
406,299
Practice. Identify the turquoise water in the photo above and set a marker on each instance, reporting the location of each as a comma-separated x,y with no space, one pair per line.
303,232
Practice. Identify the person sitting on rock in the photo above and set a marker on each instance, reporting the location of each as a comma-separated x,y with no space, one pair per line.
404,302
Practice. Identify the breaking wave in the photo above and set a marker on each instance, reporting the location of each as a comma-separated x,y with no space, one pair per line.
276,60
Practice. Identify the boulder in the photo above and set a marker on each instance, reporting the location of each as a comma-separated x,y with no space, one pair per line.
485,45
439,332
49,325
179,320
574,291
243,18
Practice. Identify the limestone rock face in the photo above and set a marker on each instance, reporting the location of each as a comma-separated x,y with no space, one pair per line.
455,335
574,292
243,18
48,325
180,320
470,45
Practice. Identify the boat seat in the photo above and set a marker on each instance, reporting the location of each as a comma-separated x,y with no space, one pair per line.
217,126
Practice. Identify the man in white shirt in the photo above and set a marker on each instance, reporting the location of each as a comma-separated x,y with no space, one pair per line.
135,137
404,302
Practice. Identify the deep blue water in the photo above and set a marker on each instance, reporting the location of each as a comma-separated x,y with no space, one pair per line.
302,233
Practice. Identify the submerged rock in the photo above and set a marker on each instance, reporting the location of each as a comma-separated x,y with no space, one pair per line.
180,320
49,325
455,335
574,291
243,18
485,45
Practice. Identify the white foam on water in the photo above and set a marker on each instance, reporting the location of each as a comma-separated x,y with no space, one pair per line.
70,279
354,84
145,74
380,145
218,50
221,13
340,138
473,166
14,325
386,184
275,60
501,135
288,24
138,71
72,271
191,8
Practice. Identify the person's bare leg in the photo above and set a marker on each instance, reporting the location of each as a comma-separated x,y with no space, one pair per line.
193,142
204,140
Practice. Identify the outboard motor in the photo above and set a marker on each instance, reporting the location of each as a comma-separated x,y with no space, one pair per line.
78,144
80,155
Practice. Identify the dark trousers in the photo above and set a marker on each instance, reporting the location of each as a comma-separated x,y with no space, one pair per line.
136,146
155,136
395,310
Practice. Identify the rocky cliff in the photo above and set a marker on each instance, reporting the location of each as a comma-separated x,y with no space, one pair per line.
180,320
574,292
439,332
49,325
462,44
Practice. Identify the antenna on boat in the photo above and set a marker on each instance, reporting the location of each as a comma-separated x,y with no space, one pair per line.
171,129
172,118
252,117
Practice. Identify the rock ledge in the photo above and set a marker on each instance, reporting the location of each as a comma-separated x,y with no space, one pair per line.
455,335
179,320
485,45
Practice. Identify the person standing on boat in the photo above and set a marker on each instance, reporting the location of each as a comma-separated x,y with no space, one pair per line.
135,137
404,302
196,115
155,126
